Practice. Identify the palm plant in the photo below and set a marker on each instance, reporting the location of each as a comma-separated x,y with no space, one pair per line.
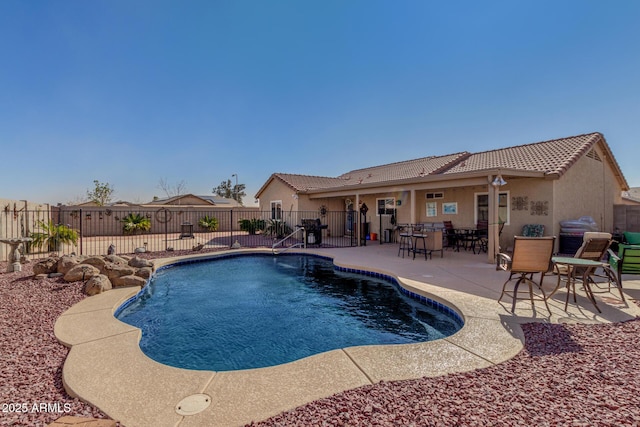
278,228
135,223
53,235
208,222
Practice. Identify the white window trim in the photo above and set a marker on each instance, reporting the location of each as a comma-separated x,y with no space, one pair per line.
475,205
271,208
385,199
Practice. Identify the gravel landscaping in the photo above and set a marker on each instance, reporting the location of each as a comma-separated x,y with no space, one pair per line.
567,375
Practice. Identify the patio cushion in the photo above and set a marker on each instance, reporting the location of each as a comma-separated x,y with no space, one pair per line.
632,238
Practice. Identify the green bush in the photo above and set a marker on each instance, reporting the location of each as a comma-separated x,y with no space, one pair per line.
135,223
54,236
208,222
252,225
278,228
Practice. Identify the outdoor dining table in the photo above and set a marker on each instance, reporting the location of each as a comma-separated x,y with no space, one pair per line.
464,236
587,268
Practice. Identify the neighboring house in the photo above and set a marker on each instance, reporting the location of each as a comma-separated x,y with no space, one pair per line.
193,200
546,182
631,196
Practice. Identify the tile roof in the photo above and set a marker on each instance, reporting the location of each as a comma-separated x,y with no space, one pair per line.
554,156
308,182
407,169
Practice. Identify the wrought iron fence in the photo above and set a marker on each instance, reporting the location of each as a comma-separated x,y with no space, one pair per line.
172,228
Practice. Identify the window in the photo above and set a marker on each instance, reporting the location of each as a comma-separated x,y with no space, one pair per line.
276,209
438,195
432,208
386,206
482,207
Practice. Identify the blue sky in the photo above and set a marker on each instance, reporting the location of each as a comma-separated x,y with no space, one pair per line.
132,92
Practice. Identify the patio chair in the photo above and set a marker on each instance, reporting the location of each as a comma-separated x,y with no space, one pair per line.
450,234
482,236
530,255
626,261
594,247
405,241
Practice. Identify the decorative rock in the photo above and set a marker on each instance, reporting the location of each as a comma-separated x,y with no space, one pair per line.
139,250
138,262
113,271
198,247
236,245
66,263
96,261
81,272
41,276
115,259
97,284
144,272
46,266
54,275
130,280
111,250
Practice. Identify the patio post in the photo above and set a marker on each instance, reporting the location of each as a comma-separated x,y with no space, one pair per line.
357,223
492,244
413,206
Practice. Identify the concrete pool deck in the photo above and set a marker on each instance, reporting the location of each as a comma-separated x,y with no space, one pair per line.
106,367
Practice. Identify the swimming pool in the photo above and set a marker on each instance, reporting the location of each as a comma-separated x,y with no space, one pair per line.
253,311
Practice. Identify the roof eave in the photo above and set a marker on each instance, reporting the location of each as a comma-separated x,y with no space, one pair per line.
431,178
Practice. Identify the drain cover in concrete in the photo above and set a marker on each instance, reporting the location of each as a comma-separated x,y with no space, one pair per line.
193,404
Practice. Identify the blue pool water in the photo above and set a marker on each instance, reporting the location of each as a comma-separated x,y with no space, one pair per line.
255,311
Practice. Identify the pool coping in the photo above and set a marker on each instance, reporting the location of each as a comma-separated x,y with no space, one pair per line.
106,367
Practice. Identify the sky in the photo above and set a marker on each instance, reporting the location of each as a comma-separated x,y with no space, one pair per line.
130,93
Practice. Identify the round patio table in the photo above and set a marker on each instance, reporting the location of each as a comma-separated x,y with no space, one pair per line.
587,267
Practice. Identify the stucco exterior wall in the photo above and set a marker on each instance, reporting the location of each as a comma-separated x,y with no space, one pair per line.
587,188
278,190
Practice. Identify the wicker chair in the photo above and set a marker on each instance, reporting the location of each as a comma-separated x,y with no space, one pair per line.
530,255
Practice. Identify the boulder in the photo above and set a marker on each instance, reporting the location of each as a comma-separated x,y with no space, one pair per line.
138,262
66,263
115,259
113,271
81,272
46,266
144,272
130,280
97,285
96,261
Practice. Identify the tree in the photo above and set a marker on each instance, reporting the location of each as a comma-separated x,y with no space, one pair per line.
101,194
172,190
226,189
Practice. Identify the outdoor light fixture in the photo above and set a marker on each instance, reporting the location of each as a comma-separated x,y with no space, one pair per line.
498,181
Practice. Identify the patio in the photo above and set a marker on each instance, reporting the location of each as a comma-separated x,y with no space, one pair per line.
106,367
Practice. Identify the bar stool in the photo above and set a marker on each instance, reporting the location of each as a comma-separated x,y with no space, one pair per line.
406,242
419,234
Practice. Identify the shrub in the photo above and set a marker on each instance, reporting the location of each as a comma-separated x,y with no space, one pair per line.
208,222
251,225
135,223
54,236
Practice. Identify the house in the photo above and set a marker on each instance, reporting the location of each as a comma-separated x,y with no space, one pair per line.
194,200
539,183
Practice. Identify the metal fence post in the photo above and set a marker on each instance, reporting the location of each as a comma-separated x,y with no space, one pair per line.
231,228
81,232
